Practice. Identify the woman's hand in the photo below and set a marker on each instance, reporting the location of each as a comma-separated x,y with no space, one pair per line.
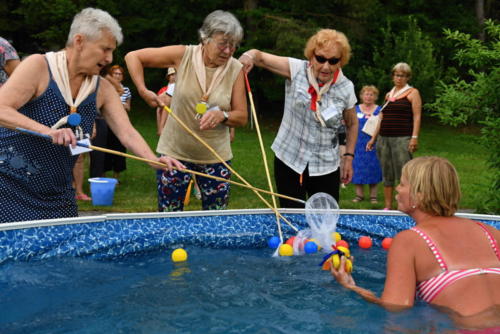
64,136
211,119
369,145
170,162
151,98
247,60
413,145
341,276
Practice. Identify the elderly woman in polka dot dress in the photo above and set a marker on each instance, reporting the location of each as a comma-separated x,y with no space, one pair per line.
35,174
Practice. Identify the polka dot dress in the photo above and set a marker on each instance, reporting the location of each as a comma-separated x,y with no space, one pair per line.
36,175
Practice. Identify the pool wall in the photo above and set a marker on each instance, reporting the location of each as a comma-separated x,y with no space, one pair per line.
116,235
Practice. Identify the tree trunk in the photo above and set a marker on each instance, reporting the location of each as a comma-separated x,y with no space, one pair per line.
480,18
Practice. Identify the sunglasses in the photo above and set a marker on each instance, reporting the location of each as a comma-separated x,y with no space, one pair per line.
331,61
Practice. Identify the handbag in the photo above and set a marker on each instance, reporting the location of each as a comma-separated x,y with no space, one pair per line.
371,125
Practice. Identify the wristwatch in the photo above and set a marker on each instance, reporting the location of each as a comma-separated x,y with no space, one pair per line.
226,116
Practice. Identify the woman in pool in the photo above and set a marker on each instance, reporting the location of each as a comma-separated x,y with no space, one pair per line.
450,262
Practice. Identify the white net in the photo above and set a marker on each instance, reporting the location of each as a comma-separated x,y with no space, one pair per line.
322,214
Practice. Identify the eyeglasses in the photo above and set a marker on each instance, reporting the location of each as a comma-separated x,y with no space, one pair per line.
331,61
224,45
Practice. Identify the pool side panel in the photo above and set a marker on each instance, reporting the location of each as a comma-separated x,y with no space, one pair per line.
122,234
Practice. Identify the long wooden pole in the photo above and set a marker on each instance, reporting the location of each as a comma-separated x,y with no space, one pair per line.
263,152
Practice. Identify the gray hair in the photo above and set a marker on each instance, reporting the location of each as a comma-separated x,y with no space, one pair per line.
223,22
402,67
90,22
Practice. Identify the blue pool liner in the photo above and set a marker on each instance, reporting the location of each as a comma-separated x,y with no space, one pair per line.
116,235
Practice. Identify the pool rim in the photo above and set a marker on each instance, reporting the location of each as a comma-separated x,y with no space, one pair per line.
152,215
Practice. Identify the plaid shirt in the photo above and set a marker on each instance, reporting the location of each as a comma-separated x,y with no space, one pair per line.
301,141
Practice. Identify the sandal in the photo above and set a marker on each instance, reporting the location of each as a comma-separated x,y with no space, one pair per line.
83,197
373,200
358,199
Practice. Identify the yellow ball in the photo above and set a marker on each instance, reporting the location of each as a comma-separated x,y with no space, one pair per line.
179,255
286,250
336,236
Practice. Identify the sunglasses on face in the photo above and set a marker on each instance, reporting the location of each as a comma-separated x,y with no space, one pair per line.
224,45
331,61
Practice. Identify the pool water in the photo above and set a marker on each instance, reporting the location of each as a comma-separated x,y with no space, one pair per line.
215,291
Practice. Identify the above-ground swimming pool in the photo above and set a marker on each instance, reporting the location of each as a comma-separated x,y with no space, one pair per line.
113,274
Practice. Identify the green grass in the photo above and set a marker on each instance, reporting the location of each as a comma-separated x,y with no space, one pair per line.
137,190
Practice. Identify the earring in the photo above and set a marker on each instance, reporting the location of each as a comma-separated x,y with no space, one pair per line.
414,207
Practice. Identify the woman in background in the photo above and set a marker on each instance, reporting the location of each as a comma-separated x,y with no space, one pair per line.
365,163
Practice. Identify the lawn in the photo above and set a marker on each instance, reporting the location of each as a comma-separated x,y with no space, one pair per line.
137,189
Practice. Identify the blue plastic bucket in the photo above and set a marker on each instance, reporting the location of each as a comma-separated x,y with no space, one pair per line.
102,190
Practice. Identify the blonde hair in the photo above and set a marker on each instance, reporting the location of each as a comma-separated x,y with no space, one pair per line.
434,184
325,38
369,88
402,67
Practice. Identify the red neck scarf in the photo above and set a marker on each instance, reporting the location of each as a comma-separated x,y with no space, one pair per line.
314,93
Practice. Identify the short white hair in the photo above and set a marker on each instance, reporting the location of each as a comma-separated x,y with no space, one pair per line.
91,22
218,22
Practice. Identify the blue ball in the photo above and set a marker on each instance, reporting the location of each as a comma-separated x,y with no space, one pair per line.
274,242
310,247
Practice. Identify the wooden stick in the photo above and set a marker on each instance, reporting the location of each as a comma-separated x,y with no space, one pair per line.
226,165
264,158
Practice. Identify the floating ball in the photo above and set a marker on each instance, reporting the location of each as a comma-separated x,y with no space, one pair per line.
386,243
342,243
273,242
179,255
290,241
310,247
314,240
336,236
286,250
365,242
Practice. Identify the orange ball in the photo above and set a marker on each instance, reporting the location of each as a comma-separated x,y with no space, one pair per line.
290,241
365,242
386,243
342,243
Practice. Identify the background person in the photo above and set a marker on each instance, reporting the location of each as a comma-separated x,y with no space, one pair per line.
165,93
208,77
318,96
365,164
449,262
113,162
398,129
9,60
36,175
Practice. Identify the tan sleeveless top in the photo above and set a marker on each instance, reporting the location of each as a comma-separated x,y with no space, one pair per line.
175,141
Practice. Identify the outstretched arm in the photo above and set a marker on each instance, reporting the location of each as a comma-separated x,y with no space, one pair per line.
168,56
399,288
276,64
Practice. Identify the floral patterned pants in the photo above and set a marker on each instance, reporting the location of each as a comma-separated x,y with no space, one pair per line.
172,187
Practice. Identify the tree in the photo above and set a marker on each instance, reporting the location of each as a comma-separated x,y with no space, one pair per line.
475,100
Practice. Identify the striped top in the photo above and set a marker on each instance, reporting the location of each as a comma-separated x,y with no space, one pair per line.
126,94
397,119
427,290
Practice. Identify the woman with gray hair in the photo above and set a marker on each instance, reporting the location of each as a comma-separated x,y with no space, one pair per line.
209,99
35,174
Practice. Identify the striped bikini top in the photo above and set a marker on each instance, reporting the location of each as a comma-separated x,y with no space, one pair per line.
427,290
